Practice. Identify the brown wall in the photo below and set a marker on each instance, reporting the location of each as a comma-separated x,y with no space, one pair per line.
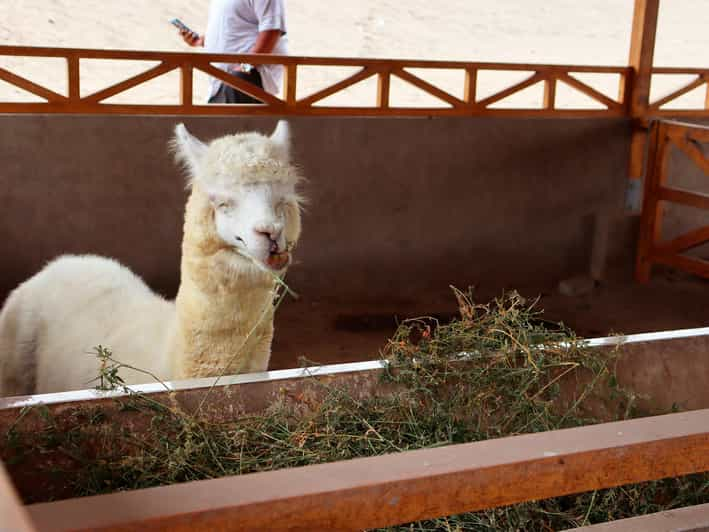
394,204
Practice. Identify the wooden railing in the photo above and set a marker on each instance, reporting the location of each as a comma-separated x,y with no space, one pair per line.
467,100
468,103
688,139
378,491
659,107
403,487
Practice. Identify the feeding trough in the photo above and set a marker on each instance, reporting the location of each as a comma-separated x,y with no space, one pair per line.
349,494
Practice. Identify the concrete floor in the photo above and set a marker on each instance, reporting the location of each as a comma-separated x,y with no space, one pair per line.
347,331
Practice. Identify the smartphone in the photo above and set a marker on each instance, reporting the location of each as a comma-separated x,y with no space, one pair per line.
181,25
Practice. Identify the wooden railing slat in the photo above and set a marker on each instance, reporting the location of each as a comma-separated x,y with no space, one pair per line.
186,85
470,86
133,81
588,90
693,265
238,83
427,87
509,91
73,77
383,88
363,74
550,93
30,86
691,150
684,242
698,200
410,486
701,80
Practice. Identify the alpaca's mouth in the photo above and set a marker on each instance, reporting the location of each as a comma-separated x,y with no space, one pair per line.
277,260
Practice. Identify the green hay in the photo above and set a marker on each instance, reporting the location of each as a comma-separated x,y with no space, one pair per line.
497,371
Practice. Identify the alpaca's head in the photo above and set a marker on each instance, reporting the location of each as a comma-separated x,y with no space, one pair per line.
250,183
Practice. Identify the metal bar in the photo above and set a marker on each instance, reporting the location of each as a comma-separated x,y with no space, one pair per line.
404,487
283,375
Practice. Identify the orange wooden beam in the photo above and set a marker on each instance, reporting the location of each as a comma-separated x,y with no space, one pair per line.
642,50
404,487
13,515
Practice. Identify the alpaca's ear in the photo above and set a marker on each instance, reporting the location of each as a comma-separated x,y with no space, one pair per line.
281,140
188,148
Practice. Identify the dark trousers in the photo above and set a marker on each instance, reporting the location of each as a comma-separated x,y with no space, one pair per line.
228,94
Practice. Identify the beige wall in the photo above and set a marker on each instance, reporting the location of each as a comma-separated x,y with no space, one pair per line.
394,204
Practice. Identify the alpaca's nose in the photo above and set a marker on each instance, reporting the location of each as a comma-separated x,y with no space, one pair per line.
271,231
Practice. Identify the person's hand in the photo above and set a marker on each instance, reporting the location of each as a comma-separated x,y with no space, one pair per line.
192,38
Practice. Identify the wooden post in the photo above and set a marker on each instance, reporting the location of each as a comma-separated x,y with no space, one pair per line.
642,49
651,217
13,515
186,85
383,89
470,87
290,83
549,93
73,77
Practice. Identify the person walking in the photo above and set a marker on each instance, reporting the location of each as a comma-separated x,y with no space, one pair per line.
243,27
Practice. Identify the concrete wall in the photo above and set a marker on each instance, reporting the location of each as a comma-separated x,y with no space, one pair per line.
395,205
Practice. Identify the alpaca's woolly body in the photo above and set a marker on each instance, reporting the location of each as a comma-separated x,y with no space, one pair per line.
51,324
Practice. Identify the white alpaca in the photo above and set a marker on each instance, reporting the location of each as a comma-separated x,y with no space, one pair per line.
241,220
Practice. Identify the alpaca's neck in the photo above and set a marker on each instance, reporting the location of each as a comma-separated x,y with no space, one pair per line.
224,304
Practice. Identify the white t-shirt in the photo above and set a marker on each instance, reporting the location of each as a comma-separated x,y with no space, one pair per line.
233,27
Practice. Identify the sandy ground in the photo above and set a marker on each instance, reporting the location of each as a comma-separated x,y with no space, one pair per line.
340,331
523,31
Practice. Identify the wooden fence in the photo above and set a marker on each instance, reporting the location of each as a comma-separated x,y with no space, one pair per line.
689,139
467,101
389,489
